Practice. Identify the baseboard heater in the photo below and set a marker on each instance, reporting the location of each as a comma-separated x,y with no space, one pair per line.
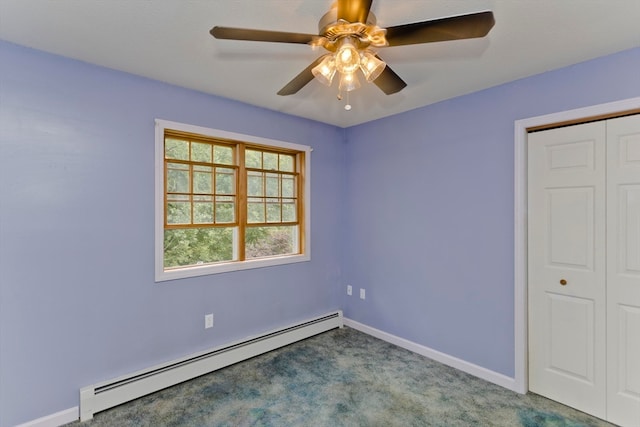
105,395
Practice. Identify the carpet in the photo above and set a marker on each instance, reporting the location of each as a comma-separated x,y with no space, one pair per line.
340,378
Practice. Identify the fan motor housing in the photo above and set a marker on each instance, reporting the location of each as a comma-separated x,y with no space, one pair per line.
329,23
331,17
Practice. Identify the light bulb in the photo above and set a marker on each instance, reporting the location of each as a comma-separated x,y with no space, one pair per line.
347,57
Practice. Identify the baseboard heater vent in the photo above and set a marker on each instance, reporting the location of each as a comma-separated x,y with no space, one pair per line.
105,395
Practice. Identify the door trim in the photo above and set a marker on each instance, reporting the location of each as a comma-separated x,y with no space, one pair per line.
521,383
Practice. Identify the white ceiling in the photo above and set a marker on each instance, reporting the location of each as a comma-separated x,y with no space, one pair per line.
169,40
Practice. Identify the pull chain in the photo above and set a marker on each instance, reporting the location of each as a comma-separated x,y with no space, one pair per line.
348,106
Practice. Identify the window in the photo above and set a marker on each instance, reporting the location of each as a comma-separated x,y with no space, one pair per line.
228,202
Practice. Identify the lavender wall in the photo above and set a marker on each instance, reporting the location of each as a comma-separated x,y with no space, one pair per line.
430,209
428,206
78,302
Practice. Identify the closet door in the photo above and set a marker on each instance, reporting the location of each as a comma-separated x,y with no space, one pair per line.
623,270
567,314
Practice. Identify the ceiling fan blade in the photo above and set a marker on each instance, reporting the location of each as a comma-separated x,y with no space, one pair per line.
453,28
300,80
261,35
389,82
354,10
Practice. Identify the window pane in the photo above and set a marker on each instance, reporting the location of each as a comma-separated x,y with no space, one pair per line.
288,186
255,210
272,185
197,246
288,210
201,152
177,178
273,210
253,159
202,182
178,213
224,181
203,213
286,163
224,212
270,241
176,149
223,155
254,184
270,161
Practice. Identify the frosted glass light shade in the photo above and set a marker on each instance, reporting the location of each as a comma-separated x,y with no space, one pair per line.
349,82
371,66
347,57
325,70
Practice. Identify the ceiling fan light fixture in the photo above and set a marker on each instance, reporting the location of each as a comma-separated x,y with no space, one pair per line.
325,70
348,82
371,65
348,30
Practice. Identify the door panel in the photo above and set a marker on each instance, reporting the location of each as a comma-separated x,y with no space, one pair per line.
629,236
571,337
629,354
571,227
576,155
567,266
623,270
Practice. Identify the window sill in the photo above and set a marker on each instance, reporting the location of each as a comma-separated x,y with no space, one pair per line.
226,267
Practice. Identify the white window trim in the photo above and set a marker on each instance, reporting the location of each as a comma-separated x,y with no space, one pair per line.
201,270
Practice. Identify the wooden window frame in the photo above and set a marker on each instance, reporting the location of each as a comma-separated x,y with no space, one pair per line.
191,194
240,143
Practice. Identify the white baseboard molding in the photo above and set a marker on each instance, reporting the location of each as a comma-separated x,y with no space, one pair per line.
462,365
55,420
73,414
116,391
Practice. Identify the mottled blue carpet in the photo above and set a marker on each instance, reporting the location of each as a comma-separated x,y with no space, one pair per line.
340,378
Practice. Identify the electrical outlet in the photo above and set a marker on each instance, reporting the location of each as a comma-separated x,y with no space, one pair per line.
362,293
349,290
208,321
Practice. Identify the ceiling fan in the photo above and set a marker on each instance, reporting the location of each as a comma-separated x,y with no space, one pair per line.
349,33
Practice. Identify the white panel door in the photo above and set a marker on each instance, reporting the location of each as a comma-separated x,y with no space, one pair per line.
623,270
567,305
